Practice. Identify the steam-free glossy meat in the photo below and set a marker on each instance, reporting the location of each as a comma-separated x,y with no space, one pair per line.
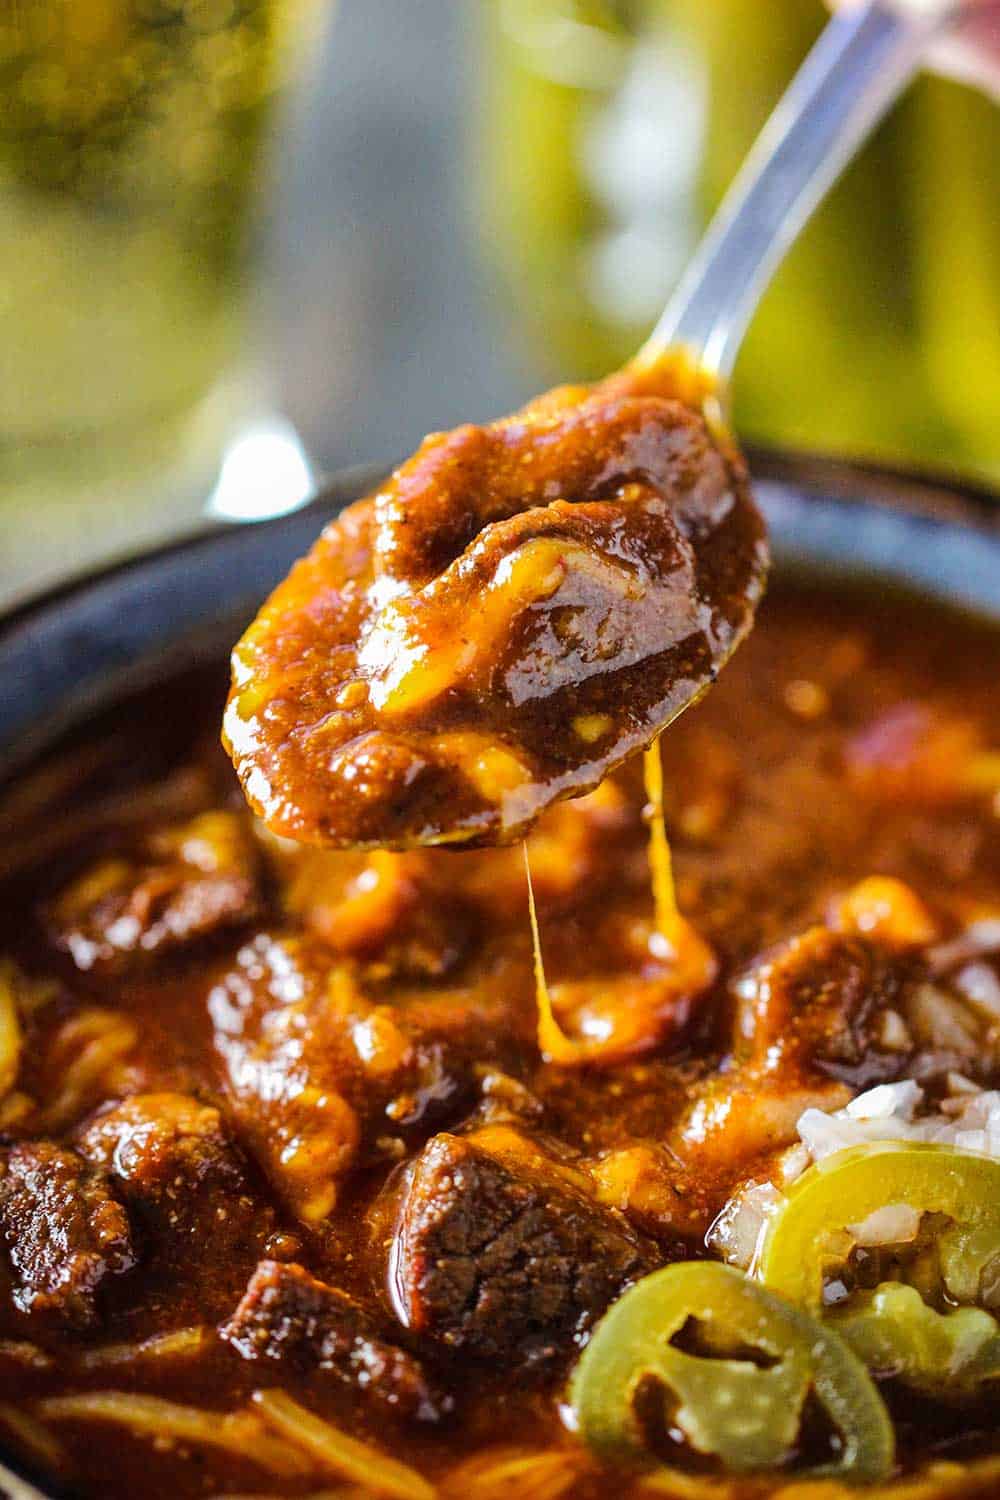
503,1262
64,1232
520,608
319,1151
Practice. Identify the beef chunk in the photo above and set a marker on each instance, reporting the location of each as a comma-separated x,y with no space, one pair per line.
504,1262
816,1020
816,1006
323,1078
184,883
595,555
286,1314
63,1229
184,1180
286,1047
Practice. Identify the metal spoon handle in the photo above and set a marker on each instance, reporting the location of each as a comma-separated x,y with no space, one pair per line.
860,64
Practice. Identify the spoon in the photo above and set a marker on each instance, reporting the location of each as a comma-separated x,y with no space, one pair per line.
863,60
522,607
859,66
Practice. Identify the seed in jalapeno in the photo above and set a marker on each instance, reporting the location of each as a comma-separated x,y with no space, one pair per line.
811,1233
741,1401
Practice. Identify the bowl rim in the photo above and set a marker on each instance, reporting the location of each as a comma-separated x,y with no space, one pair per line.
911,489
917,489
95,637
338,488
918,495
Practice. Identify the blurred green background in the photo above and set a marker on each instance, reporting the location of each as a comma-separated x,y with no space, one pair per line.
611,130
244,242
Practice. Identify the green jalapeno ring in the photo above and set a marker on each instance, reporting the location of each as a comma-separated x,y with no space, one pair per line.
844,1189
893,1331
745,1414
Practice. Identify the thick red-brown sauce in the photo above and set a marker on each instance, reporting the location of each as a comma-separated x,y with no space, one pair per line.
516,611
851,738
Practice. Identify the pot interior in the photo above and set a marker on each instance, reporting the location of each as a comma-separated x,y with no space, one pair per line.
74,656
74,653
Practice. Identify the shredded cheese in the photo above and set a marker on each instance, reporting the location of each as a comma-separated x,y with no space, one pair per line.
182,1343
239,1432
32,1436
336,1451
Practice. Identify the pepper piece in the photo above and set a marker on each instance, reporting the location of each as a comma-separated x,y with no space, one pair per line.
895,1333
812,1232
742,1410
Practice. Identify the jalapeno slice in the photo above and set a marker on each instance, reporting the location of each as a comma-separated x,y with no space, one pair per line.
816,1228
946,1354
742,1400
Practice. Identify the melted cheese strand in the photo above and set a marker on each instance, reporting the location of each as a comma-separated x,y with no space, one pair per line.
640,1008
661,868
553,1043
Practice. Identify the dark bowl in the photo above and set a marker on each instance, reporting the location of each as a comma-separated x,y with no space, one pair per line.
74,652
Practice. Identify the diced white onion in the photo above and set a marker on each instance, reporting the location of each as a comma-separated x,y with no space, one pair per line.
885,1101
978,939
968,1119
894,1034
738,1232
979,984
892,1224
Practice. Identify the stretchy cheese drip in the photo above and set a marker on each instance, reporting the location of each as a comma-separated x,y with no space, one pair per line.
621,1015
553,1043
661,868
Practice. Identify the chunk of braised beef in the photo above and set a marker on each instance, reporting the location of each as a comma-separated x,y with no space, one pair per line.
65,1232
323,1077
501,1262
288,1315
518,609
816,1020
185,882
185,1183
822,1003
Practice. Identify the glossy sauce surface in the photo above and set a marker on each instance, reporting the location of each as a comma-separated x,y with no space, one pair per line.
301,1123
519,609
